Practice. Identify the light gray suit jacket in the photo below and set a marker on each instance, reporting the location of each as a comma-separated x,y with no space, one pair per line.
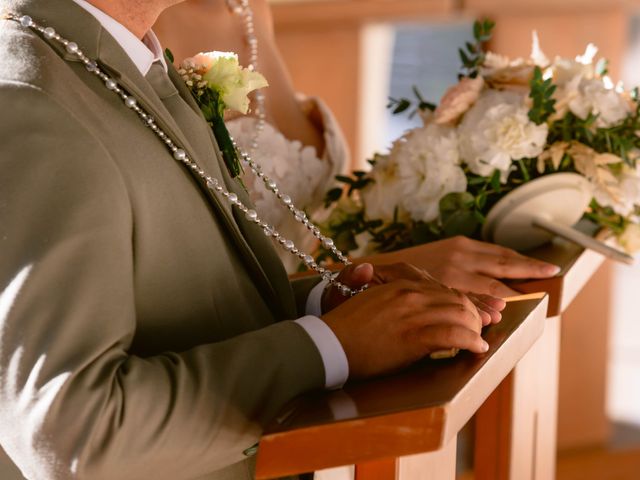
144,328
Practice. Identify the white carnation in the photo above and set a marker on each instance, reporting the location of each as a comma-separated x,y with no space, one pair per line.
496,131
592,96
383,195
428,165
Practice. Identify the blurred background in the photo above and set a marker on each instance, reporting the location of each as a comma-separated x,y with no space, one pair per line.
357,53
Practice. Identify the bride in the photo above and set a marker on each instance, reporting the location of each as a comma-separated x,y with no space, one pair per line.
298,143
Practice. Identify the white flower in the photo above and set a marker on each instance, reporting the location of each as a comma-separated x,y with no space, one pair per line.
365,243
623,195
428,165
502,73
616,184
383,196
593,96
582,92
496,131
630,238
223,73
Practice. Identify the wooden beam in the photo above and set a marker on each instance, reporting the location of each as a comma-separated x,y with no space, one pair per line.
319,13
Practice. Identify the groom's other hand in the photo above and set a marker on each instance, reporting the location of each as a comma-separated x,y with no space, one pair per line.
489,307
393,325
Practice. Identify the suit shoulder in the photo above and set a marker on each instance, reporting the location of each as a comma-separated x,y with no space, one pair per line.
26,59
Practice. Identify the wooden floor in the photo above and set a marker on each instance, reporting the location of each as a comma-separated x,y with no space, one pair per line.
618,461
599,464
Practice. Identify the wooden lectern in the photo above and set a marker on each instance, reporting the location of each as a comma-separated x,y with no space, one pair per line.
405,426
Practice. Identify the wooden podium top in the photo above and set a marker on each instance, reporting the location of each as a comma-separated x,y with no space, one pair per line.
416,411
578,266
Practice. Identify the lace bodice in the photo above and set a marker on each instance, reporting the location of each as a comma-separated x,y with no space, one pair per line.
299,171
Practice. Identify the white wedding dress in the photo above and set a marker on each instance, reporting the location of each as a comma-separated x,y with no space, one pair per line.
298,170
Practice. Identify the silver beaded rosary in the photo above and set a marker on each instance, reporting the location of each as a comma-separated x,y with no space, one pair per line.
212,183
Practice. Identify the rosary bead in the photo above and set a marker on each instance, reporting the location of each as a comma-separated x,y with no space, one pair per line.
327,242
180,155
72,48
344,290
130,102
111,84
233,198
49,33
252,215
26,21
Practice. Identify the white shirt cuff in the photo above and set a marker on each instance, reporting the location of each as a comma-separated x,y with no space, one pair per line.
336,365
314,300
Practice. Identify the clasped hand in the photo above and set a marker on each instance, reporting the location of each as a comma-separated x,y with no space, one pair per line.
404,316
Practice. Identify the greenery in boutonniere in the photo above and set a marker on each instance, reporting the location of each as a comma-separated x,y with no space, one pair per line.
219,83
506,122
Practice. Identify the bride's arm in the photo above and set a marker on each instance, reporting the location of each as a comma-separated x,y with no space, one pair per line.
469,265
198,25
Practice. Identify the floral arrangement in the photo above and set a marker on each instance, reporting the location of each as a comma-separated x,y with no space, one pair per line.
505,123
219,83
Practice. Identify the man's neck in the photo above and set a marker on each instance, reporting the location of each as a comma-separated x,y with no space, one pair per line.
138,16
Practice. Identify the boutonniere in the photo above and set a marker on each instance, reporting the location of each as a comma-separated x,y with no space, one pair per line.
219,83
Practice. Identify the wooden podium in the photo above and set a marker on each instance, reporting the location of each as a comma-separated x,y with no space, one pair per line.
405,426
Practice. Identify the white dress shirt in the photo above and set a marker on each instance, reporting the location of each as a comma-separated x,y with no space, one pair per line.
143,54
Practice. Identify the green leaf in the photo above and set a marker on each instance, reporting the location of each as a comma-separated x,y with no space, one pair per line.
453,203
332,196
477,29
344,179
524,171
602,67
461,223
541,93
169,54
399,106
495,181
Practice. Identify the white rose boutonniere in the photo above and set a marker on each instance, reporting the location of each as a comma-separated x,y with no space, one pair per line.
219,83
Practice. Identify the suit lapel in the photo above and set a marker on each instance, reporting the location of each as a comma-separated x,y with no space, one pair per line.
257,247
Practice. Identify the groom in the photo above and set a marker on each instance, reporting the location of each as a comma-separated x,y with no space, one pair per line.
148,331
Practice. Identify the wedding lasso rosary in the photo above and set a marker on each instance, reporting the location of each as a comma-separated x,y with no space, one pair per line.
214,185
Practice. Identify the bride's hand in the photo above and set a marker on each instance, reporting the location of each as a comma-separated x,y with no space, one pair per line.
469,265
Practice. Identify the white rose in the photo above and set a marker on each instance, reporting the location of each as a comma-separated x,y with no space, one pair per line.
382,196
223,73
496,131
428,165
630,238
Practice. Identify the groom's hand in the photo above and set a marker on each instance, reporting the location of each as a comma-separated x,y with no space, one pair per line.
356,276
395,324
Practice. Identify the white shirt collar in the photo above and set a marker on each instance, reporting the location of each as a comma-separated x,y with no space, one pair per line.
143,53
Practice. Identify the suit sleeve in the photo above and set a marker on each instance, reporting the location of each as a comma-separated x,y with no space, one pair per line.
74,403
301,289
